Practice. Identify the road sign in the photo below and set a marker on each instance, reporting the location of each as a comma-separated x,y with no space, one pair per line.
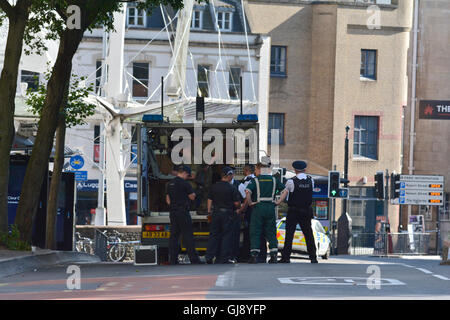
421,190
77,162
81,175
343,193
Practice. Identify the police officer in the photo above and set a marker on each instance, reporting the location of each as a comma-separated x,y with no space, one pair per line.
260,194
300,212
237,220
179,195
223,199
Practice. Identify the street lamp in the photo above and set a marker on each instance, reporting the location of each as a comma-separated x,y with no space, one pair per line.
344,204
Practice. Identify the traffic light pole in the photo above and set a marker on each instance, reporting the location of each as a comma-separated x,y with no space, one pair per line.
333,222
386,196
344,202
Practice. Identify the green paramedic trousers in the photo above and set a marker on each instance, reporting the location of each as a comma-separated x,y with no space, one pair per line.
263,221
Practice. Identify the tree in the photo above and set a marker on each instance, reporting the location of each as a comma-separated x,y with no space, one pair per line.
73,111
17,17
92,14
22,28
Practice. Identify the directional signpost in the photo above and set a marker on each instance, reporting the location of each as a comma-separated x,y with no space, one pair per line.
421,190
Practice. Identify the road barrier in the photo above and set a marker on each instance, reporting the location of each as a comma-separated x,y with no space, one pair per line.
380,244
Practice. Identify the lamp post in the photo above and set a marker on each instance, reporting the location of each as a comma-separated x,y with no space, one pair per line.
344,204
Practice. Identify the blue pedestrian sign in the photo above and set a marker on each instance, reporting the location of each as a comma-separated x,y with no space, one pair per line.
77,162
343,192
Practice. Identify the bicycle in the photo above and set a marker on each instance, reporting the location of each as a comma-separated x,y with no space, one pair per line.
116,249
83,244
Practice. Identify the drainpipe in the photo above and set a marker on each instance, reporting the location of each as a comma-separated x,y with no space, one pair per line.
412,132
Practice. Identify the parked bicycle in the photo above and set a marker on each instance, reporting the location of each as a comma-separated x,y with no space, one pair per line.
115,247
84,244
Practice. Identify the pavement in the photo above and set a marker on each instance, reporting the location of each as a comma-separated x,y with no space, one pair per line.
15,262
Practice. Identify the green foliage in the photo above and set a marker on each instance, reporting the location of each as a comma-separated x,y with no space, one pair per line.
75,111
48,18
12,240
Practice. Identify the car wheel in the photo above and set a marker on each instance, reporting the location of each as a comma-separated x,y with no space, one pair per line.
327,254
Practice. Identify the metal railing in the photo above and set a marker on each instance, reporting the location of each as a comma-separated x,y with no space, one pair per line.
378,244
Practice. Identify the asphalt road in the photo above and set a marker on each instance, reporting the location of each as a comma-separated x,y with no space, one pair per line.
340,277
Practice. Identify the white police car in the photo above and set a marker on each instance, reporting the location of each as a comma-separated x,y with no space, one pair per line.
323,243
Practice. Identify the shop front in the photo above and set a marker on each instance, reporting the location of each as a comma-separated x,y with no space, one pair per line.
87,199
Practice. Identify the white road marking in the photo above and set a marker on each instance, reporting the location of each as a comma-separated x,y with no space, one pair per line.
226,279
338,281
440,277
424,270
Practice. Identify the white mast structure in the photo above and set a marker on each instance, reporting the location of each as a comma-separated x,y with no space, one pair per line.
116,103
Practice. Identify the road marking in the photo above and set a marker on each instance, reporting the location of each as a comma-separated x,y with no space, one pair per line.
226,279
337,281
424,270
440,277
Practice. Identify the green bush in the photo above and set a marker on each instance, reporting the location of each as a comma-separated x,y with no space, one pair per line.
12,240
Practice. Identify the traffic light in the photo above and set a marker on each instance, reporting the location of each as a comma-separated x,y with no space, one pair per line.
334,180
379,185
395,186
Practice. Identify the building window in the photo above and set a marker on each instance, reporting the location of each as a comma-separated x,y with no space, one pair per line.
136,17
197,17
234,87
140,80
98,75
31,78
365,138
363,207
278,61
224,20
276,121
203,81
96,143
369,64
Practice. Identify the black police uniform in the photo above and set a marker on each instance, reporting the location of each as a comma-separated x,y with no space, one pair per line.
180,220
236,227
300,212
223,196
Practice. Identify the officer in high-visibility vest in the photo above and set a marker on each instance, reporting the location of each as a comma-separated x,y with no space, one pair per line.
260,194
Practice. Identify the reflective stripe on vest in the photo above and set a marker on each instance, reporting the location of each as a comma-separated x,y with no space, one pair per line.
258,192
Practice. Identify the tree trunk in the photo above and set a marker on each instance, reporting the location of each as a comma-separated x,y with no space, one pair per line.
52,205
35,173
8,87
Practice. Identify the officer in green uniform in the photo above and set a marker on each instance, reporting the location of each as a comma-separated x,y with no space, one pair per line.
260,195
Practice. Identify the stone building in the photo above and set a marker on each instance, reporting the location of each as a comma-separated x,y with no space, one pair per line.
336,64
431,148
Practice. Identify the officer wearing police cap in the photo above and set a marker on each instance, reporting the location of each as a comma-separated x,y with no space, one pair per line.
223,200
179,195
300,211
